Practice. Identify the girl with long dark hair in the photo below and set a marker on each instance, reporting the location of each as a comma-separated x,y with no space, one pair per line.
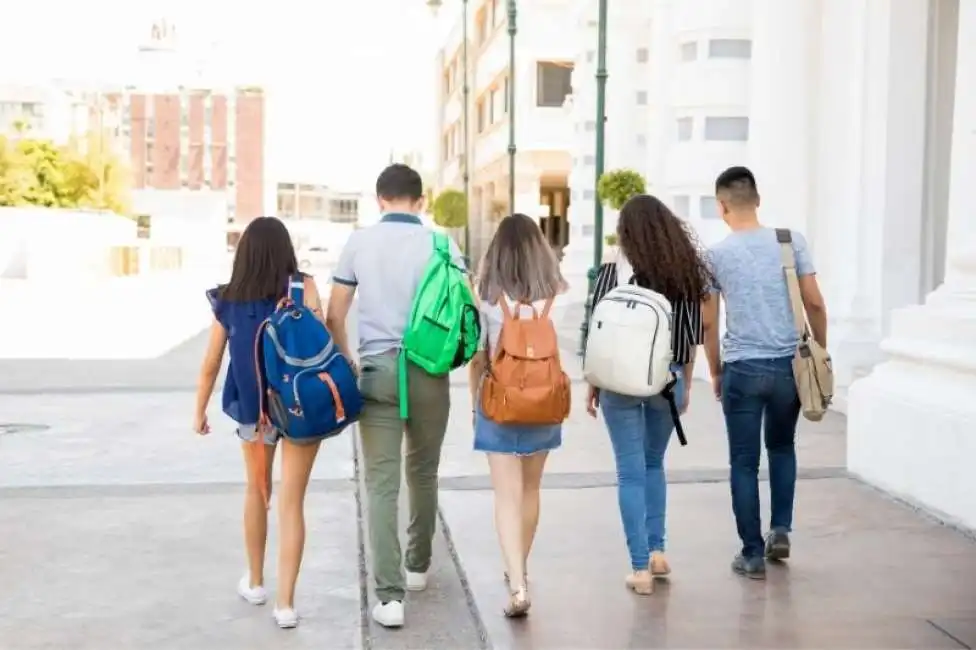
263,266
661,254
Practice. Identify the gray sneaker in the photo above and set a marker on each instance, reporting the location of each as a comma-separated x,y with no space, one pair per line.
750,567
777,545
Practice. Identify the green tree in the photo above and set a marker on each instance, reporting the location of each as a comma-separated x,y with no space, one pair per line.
80,175
619,185
451,209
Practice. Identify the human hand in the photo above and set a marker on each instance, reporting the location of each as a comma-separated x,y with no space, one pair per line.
200,424
592,400
717,386
685,398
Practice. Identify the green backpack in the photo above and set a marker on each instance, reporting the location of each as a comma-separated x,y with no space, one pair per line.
444,329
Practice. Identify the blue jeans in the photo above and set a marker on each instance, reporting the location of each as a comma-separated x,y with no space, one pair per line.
754,391
640,429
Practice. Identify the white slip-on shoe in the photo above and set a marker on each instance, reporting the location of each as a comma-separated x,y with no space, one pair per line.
254,595
389,614
286,618
416,581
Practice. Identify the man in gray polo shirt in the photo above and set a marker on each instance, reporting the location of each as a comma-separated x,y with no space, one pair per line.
385,264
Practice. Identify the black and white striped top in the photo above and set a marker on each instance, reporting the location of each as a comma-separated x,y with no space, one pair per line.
688,327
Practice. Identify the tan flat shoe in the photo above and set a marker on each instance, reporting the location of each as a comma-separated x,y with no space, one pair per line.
518,603
640,582
659,566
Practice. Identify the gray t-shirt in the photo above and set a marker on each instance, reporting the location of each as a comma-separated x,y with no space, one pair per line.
386,262
749,275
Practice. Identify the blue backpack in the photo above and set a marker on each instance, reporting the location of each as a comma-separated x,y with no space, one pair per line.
307,387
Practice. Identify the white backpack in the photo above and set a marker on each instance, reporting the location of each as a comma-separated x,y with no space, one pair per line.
628,348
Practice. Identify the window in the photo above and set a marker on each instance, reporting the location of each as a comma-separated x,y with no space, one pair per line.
708,207
730,48
641,140
727,129
682,205
589,160
641,97
588,230
590,56
344,210
689,51
642,55
553,83
588,195
481,116
590,125
686,127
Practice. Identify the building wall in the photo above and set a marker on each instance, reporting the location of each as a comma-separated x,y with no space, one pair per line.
199,140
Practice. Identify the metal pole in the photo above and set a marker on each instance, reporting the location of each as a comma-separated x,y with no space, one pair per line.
511,106
601,121
465,97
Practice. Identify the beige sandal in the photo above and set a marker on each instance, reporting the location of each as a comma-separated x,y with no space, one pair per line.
518,603
659,565
640,582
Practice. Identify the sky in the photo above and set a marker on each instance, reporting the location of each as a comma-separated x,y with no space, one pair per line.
347,80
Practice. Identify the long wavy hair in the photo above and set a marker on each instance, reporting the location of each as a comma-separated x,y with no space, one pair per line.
662,249
264,261
519,263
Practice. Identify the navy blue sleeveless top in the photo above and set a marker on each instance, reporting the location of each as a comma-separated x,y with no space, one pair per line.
241,398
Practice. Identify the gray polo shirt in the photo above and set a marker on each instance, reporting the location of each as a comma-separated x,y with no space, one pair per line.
385,262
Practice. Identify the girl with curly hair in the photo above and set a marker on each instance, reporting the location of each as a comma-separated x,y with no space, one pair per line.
660,253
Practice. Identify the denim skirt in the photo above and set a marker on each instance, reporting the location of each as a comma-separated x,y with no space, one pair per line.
515,439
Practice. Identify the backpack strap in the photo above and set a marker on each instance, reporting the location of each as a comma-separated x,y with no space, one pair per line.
402,384
788,261
546,307
296,289
668,395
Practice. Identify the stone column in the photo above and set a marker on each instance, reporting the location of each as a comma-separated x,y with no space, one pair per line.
866,181
782,107
911,422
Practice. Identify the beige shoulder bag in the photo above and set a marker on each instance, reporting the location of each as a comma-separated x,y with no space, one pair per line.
812,368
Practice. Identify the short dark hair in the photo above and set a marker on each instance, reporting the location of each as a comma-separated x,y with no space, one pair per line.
399,181
737,185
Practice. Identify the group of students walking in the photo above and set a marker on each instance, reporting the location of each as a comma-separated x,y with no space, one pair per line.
292,376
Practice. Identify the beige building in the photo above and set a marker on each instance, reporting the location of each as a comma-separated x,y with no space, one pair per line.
544,129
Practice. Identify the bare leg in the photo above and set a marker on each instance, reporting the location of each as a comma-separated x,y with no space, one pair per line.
532,467
256,514
296,467
506,480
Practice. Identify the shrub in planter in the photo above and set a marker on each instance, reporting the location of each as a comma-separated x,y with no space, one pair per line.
450,209
619,185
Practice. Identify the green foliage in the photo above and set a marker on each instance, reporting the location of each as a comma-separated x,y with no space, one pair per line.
619,185
611,240
80,175
450,209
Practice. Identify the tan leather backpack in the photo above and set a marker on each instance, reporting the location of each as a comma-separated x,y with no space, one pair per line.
525,382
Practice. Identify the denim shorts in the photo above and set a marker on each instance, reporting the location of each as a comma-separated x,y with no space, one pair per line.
249,432
515,439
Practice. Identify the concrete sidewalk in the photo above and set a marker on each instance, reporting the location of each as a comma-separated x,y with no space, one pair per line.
121,528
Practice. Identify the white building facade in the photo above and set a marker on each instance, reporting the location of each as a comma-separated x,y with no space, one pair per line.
540,81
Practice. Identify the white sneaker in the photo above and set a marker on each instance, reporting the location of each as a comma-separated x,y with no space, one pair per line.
253,595
286,618
416,581
389,614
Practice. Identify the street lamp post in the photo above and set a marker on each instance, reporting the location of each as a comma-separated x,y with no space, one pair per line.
434,5
512,30
601,122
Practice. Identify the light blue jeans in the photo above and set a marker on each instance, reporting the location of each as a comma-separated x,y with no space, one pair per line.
640,429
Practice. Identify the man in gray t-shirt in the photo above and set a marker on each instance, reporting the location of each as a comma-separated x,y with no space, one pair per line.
752,374
385,263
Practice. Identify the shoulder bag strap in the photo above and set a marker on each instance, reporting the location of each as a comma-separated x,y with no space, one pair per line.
785,239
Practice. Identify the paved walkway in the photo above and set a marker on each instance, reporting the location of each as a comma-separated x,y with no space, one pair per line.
121,529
